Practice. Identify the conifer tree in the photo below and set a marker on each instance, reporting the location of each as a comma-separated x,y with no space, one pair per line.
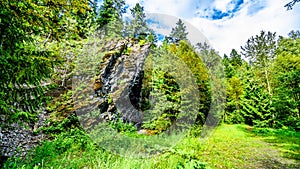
179,32
137,27
111,10
26,27
235,58
260,51
294,34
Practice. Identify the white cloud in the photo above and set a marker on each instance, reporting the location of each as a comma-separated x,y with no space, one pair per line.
226,34
223,5
194,34
132,3
234,32
171,7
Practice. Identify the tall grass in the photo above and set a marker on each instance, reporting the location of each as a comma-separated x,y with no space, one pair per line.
230,146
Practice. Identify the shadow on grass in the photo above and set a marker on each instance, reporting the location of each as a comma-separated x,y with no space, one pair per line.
287,141
273,163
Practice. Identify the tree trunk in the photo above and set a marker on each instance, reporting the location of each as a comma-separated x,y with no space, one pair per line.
268,83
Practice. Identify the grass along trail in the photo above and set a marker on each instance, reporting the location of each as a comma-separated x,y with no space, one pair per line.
229,146
240,146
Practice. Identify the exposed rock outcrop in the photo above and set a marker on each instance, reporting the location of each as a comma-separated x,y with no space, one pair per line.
17,140
118,85
114,94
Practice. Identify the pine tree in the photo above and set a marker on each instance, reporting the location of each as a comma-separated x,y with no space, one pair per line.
235,58
179,32
286,72
111,10
152,37
294,34
137,27
26,27
260,51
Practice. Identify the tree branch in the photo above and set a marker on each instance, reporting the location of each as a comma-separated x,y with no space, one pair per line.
290,5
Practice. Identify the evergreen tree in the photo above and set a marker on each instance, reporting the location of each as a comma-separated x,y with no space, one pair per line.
25,29
213,63
234,93
232,64
111,10
137,27
286,72
203,48
228,68
179,32
171,100
255,102
260,51
234,87
294,34
235,58
152,37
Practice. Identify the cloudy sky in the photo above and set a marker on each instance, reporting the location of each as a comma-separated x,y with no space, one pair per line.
227,24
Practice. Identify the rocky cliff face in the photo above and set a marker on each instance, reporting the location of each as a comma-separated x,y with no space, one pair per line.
118,86
114,94
17,140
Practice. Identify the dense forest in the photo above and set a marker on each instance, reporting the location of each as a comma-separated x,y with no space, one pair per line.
47,45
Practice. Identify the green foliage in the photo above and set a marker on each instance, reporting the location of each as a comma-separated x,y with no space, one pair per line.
269,94
256,105
228,147
122,127
75,140
200,70
142,42
217,83
110,11
178,32
152,37
163,87
187,160
260,49
167,103
233,106
286,80
137,27
26,64
235,59
294,34
234,85
59,126
42,44
192,164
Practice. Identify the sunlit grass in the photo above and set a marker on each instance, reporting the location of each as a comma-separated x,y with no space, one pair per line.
229,146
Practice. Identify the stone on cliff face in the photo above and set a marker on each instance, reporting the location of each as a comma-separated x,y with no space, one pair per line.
118,85
17,140
117,88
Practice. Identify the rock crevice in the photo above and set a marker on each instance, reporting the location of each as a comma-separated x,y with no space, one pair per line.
118,84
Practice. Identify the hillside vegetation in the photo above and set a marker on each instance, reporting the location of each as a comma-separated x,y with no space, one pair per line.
85,67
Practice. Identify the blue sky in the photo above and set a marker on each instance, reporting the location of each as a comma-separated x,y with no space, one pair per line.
226,24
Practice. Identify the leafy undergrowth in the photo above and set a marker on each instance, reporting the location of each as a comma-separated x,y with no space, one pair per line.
230,146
